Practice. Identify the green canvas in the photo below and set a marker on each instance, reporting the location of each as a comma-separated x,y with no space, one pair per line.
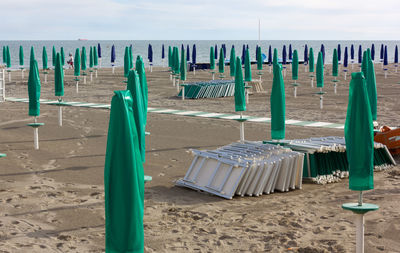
240,103
58,77
295,65
277,103
232,62
34,89
320,71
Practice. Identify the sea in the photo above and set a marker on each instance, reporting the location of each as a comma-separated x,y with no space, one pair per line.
140,47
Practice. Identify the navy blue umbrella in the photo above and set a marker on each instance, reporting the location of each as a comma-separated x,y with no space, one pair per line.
112,54
256,51
243,53
98,50
373,51
382,52
323,53
215,52
396,55
269,55
162,52
385,57
224,48
187,53
305,54
284,54
360,54
290,52
194,54
150,53
339,53
345,58
352,52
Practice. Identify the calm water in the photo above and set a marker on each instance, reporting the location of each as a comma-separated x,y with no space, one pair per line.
202,48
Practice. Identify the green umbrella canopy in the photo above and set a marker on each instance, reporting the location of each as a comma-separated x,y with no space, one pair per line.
240,103
335,63
138,107
34,89
44,57
21,56
359,136
247,67
259,59
371,88
83,59
311,61
369,54
212,58
58,77
232,64
364,64
295,65
130,58
275,57
77,63
176,61
277,101
221,63
123,179
143,83
183,65
53,57
91,59
4,55
32,56
126,62
320,71
169,56
95,57
8,58
62,55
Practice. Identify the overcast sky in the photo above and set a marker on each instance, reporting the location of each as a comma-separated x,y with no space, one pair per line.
202,19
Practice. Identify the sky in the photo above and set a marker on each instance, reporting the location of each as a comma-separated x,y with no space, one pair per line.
200,20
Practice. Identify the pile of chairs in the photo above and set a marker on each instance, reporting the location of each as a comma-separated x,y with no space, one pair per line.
209,89
244,168
326,159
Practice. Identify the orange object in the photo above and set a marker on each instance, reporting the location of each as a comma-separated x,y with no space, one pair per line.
389,137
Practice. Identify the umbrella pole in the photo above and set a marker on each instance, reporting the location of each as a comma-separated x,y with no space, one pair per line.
113,69
151,67
9,76
213,75
183,92
321,100
96,72
77,86
246,93
241,128
45,78
385,73
270,68
194,70
59,112
345,75
99,63
396,68
84,79
334,87
91,76
173,80
36,135
295,89
177,85
312,82
360,227
22,74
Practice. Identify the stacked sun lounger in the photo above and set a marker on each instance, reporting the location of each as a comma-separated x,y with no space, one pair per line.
248,168
209,89
326,159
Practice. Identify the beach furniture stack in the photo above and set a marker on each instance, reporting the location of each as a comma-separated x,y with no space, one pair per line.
326,159
209,89
244,168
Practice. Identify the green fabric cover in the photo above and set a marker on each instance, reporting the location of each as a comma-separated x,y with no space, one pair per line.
127,64
53,57
335,63
232,62
123,180
221,63
62,56
143,84
44,57
77,63
34,89
277,103
212,58
8,58
32,55
95,57
364,65
21,56
295,65
240,102
371,88
83,59
359,135
259,59
169,56
320,71
58,77
183,65
91,58
311,62
247,67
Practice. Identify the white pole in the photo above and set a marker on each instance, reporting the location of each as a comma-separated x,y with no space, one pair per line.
84,79
113,69
312,82
99,62
270,68
183,92
151,67
9,76
345,75
60,112
241,129
173,81
91,76
359,233
213,76
177,85
96,73
385,74
194,70
321,100
295,91
22,74
334,87
45,78
77,86
36,135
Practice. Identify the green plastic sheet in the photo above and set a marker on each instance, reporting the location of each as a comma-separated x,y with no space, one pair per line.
123,179
34,89
240,103
95,56
277,101
8,58
170,57
58,77
143,84
320,71
91,58
359,135
127,65
32,55
53,57
364,64
62,56
295,65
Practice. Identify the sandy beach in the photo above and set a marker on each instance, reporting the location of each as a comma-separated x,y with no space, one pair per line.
52,199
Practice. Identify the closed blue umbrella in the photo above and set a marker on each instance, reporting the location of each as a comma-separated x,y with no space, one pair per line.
162,52
352,52
373,52
187,53
323,53
224,48
290,52
396,55
360,54
339,52
98,50
256,52
284,54
345,58
113,57
382,52
385,57
243,53
305,54
269,55
215,52
150,53
194,54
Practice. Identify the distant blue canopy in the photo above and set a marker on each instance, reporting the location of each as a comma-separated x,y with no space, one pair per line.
345,58
162,52
215,52
194,54
269,55
150,53
290,52
112,54
256,51
187,53
382,52
98,50
284,54
360,54
385,57
306,54
323,53
352,52
339,53
373,51
243,53
396,55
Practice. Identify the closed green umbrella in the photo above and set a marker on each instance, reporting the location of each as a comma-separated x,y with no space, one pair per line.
221,63
371,88
232,64
8,63
134,86
311,61
176,62
21,56
95,58
59,85
183,65
364,64
62,55
91,59
295,71
240,103
320,71
83,59
123,179
277,103
247,67
44,58
169,56
32,55
127,65
34,98
212,61
130,57
53,57
77,68
275,58
259,59
335,63
4,55
143,84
